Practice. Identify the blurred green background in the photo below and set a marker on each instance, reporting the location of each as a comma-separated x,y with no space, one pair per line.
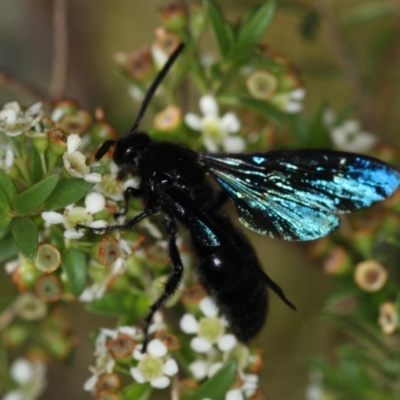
369,35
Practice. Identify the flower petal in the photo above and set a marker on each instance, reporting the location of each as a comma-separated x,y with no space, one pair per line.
200,345
73,142
52,217
92,177
230,123
227,342
73,234
199,369
189,324
137,353
98,224
234,144
298,94
193,121
170,367
208,307
157,348
235,394
210,145
22,371
160,383
209,106
137,375
90,383
95,202
293,107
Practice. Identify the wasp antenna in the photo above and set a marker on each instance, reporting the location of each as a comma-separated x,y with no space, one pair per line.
104,148
153,87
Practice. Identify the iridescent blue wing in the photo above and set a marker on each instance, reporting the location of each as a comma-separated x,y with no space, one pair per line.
296,195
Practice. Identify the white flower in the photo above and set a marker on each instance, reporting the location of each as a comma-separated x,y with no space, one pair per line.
217,132
30,377
155,366
14,121
349,136
314,390
75,161
247,389
289,102
97,289
210,329
74,215
110,185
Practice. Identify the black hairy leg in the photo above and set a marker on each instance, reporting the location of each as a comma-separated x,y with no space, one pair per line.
127,225
173,281
129,193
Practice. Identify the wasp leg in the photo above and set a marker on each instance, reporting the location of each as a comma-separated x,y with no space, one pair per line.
125,226
173,281
128,193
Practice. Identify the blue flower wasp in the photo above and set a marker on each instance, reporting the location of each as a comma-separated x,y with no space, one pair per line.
292,194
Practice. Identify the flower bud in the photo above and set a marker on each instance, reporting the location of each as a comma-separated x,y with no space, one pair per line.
62,108
49,288
48,258
139,64
121,347
262,84
337,262
106,251
25,275
108,382
171,341
30,307
388,318
173,17
57,142
75,123
370,275
169,119
40,141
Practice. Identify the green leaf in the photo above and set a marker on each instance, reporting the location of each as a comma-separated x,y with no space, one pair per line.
120,303
8,187
25,234
5,215
75,267
67,191
218,27
258,106
256,24
136,391
216,387
30,199
8,249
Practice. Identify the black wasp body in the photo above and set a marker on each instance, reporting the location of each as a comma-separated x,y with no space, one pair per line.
293,195
174,182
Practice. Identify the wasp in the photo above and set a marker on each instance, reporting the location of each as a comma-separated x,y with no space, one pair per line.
293,195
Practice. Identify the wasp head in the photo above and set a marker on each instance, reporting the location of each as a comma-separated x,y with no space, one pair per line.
127,149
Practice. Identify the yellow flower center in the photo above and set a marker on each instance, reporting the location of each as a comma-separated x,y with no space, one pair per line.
211,329
151,367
